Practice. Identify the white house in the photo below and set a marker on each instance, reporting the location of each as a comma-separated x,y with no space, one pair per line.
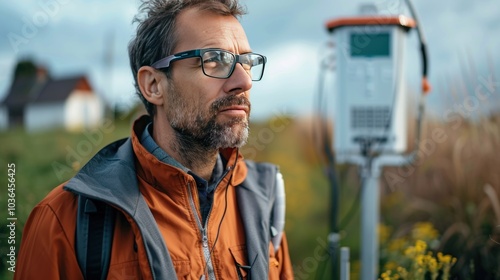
42,103
68,103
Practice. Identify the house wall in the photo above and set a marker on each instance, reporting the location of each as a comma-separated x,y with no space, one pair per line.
43,116
82,110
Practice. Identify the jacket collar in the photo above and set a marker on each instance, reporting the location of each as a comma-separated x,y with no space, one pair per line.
157,173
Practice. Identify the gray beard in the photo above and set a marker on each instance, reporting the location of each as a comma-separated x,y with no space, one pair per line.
212,135
196,149
198,134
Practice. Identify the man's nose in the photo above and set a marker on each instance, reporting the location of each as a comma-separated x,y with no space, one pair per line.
239,81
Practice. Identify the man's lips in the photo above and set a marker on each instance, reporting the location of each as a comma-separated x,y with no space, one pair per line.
235,109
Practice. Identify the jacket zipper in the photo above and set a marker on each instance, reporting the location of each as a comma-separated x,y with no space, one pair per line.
203,229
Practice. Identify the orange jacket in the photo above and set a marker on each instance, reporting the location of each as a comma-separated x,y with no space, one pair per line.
48,242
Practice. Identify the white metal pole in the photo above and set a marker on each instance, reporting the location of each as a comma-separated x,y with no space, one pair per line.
370,211
344,263
369,221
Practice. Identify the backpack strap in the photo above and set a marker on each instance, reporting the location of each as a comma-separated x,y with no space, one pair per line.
94,237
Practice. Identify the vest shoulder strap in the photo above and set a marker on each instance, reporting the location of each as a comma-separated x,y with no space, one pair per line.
94,237
268,181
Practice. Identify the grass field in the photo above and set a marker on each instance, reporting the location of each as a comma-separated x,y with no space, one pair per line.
447,189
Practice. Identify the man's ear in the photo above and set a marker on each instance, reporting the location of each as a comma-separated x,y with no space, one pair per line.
149,79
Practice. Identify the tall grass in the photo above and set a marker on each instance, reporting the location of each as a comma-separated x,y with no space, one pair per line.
456,182
457,188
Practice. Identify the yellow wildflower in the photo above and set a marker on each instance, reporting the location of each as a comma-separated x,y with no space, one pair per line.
432,264
408,257
444,259
420,247
420,260
386,275
402,271
424,231
391,265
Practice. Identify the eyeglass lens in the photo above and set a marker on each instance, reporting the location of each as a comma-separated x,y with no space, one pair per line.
220,64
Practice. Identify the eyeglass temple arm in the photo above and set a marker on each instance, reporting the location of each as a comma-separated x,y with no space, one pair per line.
165,62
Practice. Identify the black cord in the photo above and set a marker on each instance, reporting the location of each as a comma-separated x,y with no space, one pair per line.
326,148
425,70
205,269
423,42
225,202
223,215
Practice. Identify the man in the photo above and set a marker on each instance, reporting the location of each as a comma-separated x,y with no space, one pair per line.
187,206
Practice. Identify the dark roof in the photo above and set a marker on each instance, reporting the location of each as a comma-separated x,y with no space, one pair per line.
25,90
57,90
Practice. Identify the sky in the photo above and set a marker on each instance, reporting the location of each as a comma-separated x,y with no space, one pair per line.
90,37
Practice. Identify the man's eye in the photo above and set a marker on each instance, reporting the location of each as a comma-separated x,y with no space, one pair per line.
212,61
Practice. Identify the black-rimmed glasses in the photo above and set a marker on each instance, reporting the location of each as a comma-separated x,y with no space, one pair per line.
217,63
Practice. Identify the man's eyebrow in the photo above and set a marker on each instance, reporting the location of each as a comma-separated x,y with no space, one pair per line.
249,51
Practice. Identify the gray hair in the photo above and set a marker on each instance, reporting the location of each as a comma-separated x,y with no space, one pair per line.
156,35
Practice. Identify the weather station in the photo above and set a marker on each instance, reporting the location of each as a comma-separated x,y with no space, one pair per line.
370,115
371,105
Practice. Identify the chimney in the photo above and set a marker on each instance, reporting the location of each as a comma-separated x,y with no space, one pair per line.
42,74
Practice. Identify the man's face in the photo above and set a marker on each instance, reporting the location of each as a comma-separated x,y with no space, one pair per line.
213,112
